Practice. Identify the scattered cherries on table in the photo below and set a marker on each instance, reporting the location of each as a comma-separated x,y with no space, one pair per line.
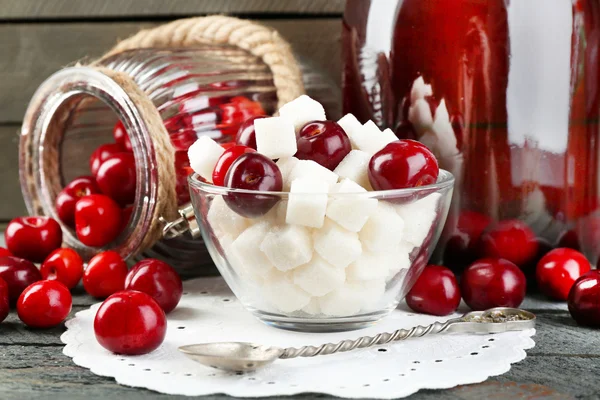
558,270
105,274
435,292
158,280
44,304
63,265
33,238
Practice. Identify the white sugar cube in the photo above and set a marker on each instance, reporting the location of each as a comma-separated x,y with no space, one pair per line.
275,137
307,202
351,126
418,218
419,114
371,139
247,249
276,215
370,266
352,297
388,135
400,257
288,246
350,212
286,165
319,277
237,263
313,307
420,90
383,229
355,166
203,156
336,245
312,170
302,110
223,220
445,138
283,294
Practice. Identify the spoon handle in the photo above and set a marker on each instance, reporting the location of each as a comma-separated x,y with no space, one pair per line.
367,341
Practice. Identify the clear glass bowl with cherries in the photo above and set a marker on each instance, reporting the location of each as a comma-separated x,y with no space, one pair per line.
318,225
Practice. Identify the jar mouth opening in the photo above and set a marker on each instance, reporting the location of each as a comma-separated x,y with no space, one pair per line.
445,181
53,148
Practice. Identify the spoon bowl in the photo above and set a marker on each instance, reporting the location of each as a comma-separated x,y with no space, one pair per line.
232,356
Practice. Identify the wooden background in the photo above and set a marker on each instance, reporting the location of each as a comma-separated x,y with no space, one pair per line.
38,37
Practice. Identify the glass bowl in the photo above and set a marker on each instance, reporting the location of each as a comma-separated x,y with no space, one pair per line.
322,273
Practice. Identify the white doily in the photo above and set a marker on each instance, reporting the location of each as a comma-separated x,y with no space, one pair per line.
208,312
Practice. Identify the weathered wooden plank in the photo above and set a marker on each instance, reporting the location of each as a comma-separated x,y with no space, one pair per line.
32,52
36,9
10,190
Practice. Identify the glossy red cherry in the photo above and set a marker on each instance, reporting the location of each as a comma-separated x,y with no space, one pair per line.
324,142
121,137
403,164
435,292
157,279
4,252
570,240
68,197
246,136
105,274
584,299
492,282
102,153
33,238
97,220
44,304
462,247
558,270
63,265
18,274
512,240
225,161
4,300
116,178
253,171
131,323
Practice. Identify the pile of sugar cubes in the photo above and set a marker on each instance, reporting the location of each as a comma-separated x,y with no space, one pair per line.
328,248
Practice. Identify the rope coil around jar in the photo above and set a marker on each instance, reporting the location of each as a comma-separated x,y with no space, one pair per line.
257,39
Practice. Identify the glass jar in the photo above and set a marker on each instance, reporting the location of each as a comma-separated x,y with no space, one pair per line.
520,82
203,90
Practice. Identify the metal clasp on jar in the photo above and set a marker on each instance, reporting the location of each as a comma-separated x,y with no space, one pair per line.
185,223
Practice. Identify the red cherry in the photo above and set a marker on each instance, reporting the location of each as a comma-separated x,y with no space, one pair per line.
228,145
462,247
116,178
121,137
584,299
63,265
18,274
492,282
130,322
239,110
44,304
558,270
4,300
246,136
97,220
102,153
66,199
403,164
4,252
225,161
33,238
157,279
105,274
435,292
253,171
324,142
569,240
512,240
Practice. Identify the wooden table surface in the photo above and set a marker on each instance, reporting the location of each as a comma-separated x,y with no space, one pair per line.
564,364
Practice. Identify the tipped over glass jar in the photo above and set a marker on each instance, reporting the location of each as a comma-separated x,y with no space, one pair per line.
81,116
519,82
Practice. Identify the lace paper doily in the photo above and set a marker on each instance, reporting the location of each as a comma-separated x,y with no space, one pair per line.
209,312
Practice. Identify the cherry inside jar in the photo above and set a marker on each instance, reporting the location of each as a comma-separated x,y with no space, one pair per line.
520,83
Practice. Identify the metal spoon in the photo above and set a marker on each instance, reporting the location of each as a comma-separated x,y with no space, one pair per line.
244,357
